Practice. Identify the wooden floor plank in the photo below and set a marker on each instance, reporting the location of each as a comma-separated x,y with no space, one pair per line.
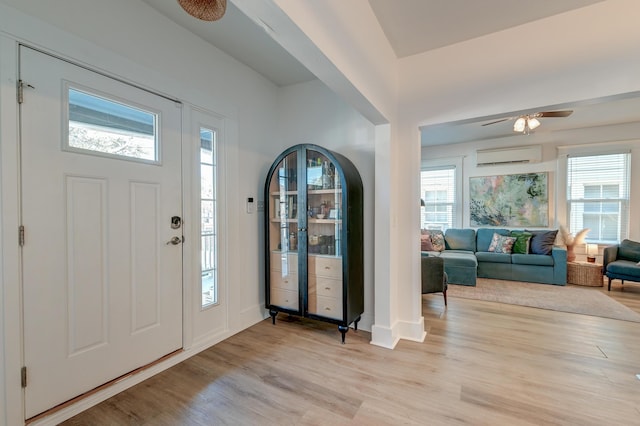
481,363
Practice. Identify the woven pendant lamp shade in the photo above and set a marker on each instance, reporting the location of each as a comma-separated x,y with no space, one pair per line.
207,10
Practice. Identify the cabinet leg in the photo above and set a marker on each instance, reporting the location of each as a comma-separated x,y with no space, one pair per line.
343,329
355,324
273,314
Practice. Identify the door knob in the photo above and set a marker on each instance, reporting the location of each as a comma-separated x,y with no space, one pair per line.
175,241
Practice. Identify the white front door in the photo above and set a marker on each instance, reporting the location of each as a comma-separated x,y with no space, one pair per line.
101,187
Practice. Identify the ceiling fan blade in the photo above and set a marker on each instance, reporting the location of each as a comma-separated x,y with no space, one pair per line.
498,121
565,113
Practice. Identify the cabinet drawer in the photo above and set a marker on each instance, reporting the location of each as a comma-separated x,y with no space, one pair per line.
284,298
329,307
325,266
284,262
325,286
288,282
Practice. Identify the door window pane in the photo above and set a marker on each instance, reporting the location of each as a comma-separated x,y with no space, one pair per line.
208,218
105,126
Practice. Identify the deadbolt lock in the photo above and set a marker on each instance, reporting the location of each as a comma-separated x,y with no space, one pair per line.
176,222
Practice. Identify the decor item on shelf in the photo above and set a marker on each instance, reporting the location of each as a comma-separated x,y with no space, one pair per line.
571,241
592,250
293,241
206,10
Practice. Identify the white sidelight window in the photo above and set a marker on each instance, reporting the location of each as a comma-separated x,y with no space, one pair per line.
208,217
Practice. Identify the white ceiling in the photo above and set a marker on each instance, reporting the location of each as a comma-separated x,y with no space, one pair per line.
416,26
614,110
412,27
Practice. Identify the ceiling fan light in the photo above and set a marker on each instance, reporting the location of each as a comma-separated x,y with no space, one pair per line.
206,10
519,125
533,123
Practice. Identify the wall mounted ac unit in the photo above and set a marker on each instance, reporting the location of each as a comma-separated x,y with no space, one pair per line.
516,154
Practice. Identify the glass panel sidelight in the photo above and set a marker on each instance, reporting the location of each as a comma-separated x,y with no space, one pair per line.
283,233
324,230
208,218
100,125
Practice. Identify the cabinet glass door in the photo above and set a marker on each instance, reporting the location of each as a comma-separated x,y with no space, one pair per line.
324,230
283,234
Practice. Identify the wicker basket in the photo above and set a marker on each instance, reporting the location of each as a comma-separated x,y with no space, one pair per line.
582,273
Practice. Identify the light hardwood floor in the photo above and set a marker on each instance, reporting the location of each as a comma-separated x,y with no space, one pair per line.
482,363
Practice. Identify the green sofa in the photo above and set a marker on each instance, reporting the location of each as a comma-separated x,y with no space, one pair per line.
466,256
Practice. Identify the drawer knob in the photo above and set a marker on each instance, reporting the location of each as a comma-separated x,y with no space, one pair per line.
327,267
327,288
327,309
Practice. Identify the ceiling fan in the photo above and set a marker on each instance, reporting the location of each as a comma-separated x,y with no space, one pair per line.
527,122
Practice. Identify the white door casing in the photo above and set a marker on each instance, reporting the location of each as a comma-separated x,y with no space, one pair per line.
102,289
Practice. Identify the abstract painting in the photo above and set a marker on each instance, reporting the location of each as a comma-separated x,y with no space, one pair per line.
509,200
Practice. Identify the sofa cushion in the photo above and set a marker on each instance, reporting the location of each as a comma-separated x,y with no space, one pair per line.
485,235
501,244
629,250
523,241
542,241
624,267
532,259
460,239
459,258
489,257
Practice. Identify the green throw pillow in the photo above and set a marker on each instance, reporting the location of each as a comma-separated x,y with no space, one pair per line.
523,239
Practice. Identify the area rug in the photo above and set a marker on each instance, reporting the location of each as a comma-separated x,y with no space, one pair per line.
577,300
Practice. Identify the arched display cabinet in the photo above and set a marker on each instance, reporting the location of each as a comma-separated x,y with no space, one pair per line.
314,237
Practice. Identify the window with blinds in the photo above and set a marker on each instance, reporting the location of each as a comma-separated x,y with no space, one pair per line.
438,188
598,196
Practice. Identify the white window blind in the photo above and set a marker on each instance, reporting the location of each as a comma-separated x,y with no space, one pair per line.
598,196
438,187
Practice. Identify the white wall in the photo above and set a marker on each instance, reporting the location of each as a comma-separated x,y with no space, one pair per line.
311,113
347,34
134,42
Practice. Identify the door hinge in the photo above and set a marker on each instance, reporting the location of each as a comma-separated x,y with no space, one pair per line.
23,377
21,85
21,235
